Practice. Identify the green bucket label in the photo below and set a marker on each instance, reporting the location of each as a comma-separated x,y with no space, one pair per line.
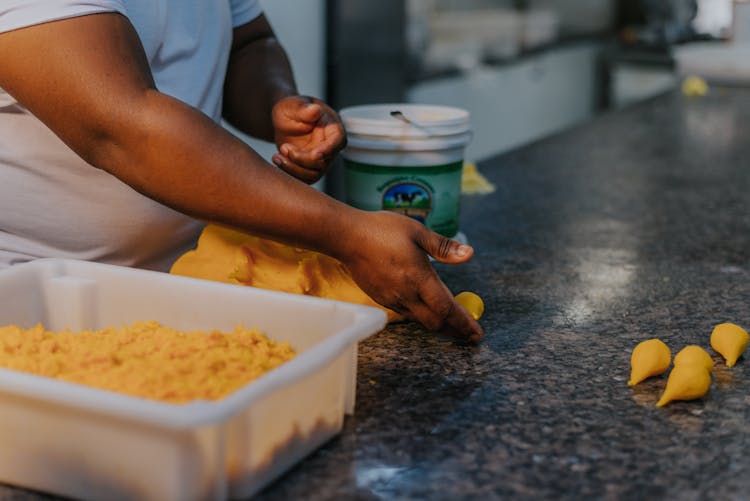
412,199
430,195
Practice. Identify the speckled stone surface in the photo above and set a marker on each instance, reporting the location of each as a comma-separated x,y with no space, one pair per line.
635,225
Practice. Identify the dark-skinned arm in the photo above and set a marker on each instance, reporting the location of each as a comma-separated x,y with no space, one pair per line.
258,76
260,99
88,80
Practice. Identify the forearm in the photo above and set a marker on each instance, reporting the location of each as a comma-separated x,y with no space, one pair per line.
258,75
174,154
88,80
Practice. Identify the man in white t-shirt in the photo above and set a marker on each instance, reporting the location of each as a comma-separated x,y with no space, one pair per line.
110,148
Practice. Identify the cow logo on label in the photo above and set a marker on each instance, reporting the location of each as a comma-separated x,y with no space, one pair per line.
410,199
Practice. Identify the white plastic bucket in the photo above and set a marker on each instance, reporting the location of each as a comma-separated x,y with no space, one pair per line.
407,158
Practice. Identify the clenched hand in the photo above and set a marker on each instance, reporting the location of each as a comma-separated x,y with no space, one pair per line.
308,134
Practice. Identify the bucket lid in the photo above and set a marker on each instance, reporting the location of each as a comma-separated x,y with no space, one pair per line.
405,120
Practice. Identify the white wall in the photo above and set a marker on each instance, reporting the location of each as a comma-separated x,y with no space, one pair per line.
300,26
517,103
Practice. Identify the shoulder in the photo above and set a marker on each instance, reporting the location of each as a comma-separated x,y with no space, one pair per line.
244,11
16,14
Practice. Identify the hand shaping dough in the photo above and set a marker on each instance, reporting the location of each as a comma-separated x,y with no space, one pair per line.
230,256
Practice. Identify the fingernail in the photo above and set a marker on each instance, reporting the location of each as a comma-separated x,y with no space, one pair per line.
463,250
284,150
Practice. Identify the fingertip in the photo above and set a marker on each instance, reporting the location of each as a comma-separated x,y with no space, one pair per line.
452,252
477,336
461,335
462,326
312,111
471,329
463,251
470,326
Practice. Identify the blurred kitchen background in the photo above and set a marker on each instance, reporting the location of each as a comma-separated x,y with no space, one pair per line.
524,69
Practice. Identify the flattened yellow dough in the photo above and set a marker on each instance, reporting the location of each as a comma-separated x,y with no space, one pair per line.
233,257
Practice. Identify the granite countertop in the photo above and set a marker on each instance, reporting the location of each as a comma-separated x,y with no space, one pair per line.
635,225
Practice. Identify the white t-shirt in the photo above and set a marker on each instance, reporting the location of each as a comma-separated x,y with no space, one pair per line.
52,203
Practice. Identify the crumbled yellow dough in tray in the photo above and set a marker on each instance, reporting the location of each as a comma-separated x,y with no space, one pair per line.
145,359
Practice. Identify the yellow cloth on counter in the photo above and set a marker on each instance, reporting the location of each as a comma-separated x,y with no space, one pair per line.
233,257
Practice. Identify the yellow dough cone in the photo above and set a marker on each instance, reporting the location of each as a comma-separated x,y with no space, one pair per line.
472,302
649,358
686,382
730,341
694,354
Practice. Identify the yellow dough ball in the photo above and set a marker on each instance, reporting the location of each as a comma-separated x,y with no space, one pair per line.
729,340
686,381
694,354
649,358
694,86
473,304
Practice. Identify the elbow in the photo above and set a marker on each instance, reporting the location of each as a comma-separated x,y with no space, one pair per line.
116,137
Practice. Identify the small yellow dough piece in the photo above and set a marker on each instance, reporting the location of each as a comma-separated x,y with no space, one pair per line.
694,86
687,381
233,257
729,340
649,358
694,354
473,182
472,302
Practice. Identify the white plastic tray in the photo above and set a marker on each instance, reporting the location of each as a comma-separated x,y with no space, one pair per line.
87,443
